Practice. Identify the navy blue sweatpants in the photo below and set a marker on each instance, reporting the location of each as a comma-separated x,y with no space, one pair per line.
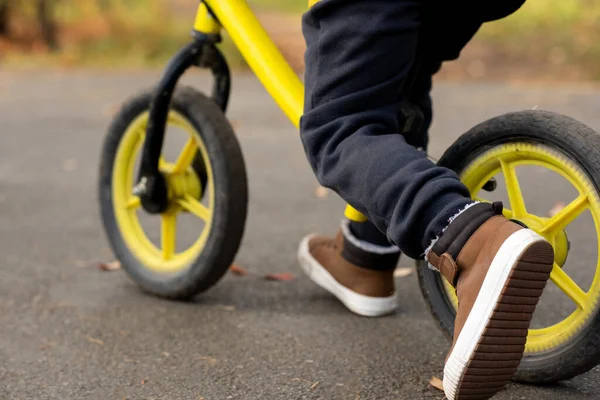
361,66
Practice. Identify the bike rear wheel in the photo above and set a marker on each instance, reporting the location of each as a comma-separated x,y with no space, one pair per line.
566,342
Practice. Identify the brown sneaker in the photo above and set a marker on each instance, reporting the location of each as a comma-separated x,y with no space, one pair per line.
499,269
344,268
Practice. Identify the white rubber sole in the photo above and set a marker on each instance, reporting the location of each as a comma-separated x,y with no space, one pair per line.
357,303
487,299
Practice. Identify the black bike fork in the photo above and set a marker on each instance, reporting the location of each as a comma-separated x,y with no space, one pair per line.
202,52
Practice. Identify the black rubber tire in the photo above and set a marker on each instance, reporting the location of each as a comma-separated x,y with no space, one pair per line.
231,196
582,145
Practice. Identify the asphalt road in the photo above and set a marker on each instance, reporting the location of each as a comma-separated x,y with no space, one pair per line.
71,331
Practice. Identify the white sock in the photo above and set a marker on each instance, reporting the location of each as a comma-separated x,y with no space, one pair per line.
366,246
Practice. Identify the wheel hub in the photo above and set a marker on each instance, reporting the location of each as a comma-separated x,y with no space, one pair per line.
560,242
180,186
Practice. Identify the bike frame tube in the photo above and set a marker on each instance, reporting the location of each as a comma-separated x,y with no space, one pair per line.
261,54
263,57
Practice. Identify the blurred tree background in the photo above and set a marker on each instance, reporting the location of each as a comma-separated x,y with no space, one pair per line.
546,39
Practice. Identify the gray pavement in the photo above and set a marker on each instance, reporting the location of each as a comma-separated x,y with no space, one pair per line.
71,331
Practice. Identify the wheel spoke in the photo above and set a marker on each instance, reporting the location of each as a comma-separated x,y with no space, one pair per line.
195,207
133,202
506,211
515,197
565,216
165,166
568,286
168,234
186,156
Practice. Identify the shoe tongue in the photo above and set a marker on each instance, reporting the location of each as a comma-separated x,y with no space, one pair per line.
463,226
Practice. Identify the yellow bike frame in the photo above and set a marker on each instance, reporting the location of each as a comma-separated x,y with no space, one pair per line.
259,51
261,54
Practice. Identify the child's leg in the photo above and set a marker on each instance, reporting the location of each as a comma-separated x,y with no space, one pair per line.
358,57
418,137
357,265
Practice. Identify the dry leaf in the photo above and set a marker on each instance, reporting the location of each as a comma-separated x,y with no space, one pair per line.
143,382
314,385
237,270
94,340
286,276
321,192
556,208
403,272
211,360
111,266
46,345
437,383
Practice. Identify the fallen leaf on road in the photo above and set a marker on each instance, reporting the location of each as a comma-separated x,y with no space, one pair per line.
94,340
111,266
403,272
237,270
314,385
46,345
556,208
437,383
211,360
321,192
143,382
286,276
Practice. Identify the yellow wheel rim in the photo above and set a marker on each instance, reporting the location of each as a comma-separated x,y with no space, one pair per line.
504,159
184,190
